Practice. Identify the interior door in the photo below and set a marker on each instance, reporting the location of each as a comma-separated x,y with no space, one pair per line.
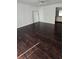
35,16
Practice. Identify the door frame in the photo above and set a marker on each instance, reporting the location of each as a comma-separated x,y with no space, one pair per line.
33,15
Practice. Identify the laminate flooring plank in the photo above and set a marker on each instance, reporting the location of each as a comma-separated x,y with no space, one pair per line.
50,39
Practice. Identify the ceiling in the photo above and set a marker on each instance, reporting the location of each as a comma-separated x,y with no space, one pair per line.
38,3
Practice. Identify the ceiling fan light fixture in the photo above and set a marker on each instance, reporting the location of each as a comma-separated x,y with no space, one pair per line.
42,1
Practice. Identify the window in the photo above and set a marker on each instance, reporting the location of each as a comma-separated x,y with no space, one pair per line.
60,12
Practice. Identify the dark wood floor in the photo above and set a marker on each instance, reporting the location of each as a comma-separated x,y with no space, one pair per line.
47,35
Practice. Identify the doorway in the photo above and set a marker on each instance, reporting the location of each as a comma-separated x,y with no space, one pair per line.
58,22
35,16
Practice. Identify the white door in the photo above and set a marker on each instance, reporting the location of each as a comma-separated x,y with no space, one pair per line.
35,16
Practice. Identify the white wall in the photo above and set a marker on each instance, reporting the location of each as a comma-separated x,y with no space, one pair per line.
47,13
24,14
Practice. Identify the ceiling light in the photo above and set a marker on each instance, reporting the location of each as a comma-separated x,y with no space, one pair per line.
42,1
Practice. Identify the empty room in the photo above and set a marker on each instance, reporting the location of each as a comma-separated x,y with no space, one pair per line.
39,29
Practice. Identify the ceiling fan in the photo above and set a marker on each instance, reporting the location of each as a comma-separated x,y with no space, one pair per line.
42,2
